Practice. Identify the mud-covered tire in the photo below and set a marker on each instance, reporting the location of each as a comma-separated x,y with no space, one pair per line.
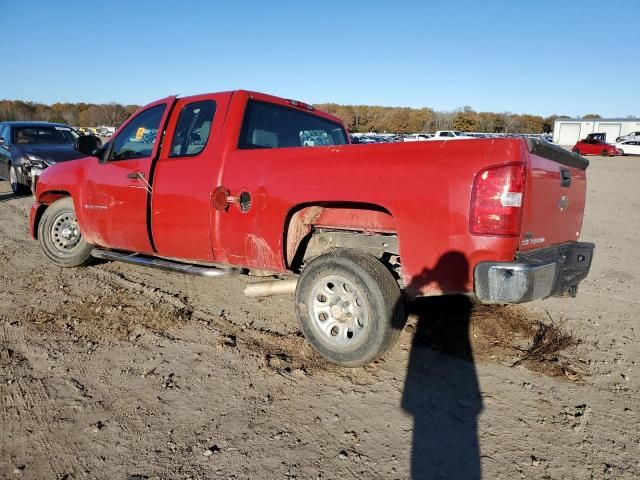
60,237
19,183
350,307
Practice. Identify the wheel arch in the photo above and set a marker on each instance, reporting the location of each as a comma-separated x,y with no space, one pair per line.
349,221
45,199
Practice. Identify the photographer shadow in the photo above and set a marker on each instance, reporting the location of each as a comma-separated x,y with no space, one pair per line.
441,389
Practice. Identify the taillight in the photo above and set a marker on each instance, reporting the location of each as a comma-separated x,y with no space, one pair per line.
496,200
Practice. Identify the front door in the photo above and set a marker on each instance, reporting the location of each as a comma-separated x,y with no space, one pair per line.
118,188
590,146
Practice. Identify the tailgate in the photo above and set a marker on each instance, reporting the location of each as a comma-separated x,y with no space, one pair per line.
554,197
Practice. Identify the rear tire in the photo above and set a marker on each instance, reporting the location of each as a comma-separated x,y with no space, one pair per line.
19,185
350,307
576,151
60,238
604,153
621,152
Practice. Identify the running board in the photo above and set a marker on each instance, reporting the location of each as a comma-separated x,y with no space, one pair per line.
162,264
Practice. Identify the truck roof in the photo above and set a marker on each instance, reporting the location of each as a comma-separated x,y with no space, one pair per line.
288,102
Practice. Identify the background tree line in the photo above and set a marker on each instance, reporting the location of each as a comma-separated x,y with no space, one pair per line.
364,118
359,118
74,114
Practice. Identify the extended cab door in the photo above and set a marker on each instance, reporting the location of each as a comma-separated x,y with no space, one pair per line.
261,141
118,188
184,177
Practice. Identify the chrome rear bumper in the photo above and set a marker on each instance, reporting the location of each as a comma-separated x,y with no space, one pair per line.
548,272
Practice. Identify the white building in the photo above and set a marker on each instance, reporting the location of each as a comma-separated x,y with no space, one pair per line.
567,131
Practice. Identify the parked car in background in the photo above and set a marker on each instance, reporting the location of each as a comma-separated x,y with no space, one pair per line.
418,137
628,147
631,136
450,135
27,148
594,147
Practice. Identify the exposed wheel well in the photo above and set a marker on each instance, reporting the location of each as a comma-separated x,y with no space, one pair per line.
314,229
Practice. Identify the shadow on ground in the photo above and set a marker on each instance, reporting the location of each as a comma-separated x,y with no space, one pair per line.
441,389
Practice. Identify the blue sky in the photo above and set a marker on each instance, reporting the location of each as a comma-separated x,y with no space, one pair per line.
541,57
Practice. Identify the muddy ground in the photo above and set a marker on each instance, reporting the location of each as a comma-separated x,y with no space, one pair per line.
118,372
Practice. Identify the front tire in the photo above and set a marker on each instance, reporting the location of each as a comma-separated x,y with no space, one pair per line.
621,152
349,306
604,153
19,185
60,237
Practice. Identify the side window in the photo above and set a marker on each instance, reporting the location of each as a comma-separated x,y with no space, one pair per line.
267,125
138,137
4,133
193,128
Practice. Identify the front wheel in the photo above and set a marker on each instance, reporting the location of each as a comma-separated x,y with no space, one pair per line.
19,185
621,152
60,237
604,153
350,307
576,151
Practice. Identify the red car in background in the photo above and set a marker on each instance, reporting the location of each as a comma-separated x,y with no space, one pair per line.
594,146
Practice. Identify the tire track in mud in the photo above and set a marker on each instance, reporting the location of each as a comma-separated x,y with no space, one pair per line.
164,312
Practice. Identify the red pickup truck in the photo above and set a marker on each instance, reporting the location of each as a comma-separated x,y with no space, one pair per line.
228,183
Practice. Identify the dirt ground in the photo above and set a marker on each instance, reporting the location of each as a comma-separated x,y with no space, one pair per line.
117,372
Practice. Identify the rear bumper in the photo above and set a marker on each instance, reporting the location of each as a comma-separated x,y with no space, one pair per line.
547,272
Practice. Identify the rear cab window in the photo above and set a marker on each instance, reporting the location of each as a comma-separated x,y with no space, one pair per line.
268,125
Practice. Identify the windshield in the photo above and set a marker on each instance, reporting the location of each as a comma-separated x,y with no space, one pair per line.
43,135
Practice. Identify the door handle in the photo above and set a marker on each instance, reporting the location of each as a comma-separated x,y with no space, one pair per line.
140,177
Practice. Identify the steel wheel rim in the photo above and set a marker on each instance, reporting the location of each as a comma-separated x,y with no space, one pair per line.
13,177
338,312
65,233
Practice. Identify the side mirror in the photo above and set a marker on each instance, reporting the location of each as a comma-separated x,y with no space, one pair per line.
88,144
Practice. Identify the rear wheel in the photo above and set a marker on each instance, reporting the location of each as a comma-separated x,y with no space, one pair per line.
604,153
350,307
60,236
576,151
621,152
19,183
